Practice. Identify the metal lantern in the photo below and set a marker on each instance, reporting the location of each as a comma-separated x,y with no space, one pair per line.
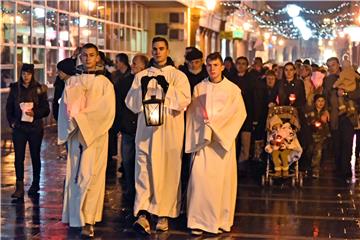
154,111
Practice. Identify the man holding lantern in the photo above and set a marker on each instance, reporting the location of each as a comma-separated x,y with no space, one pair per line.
160,95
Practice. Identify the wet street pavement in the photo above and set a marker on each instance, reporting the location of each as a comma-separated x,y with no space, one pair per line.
325,208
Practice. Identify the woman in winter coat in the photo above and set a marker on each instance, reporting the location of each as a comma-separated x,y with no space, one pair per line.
26,105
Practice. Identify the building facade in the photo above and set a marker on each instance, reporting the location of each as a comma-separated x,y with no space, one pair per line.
46,31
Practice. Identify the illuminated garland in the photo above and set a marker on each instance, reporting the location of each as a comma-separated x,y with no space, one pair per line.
320,29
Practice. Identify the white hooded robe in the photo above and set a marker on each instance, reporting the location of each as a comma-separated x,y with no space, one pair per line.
214,118
158,149
92,116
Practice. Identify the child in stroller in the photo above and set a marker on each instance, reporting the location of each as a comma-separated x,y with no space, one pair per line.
282,142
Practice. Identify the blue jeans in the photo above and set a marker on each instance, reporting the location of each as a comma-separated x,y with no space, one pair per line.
128,157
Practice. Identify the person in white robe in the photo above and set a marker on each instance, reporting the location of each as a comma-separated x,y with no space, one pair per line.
214,118
86,113
159,148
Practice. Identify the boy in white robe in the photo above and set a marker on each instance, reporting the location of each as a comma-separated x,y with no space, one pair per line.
86,112
214,118
158,148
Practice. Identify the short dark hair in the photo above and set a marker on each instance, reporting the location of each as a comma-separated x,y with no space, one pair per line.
258,59
122,57
214,56
333,59
160,39
243,58
270,73
90,45
228,59
143,58
298,61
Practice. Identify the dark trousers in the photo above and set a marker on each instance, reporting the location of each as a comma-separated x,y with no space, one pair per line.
305,138
357,147
128,157
20,138
346,135
113,141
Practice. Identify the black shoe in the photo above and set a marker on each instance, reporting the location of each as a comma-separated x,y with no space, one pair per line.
19,191
34,188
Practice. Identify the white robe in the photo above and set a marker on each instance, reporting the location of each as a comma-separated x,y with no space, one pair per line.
158,149
214,118
85,172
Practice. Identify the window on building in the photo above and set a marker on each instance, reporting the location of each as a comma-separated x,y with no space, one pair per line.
22,55
92,31
7,55
52,3
64,5
129,12
39,75
84,30
176,17
23,24
51,61
101,9
116,11
64,37
92,6
74,6
73,31
38,55
8,21
51,28
108,11
38,29
176,34
122,11
7,77
161,29
101,35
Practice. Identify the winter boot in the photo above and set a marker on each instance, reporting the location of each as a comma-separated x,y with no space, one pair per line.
34,188
19,191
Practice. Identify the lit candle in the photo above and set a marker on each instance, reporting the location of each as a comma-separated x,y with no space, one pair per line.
317,124
292,97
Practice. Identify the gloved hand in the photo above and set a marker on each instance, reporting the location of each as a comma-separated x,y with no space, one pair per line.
144,83
162,82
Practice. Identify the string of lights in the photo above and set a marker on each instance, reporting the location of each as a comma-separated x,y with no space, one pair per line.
320,25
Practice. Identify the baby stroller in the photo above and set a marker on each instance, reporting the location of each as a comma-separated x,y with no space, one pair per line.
282,124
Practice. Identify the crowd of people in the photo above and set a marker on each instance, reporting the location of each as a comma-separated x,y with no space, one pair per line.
215,125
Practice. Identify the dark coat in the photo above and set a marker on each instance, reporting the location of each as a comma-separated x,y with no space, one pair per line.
195,79
59,86
36,93
127,120
247,85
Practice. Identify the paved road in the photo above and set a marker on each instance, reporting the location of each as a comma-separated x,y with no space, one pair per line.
321,209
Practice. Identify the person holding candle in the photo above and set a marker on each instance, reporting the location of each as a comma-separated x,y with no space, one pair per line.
318,121
291,91
158,148
86,113
26,105
213,120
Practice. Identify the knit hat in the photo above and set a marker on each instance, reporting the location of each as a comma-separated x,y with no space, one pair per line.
27,67
194,54
67,66
274,120
317,96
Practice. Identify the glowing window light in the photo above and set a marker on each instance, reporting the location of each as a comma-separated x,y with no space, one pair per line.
281,42
210,4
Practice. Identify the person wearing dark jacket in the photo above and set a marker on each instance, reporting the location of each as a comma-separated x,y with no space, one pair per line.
127,121
291,91
66,68
122,71
245,81
26,105
230,69
196,70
